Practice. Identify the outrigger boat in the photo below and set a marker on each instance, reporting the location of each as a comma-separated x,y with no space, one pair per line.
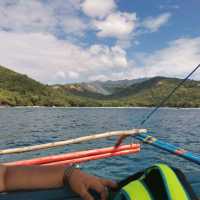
118,150
89,155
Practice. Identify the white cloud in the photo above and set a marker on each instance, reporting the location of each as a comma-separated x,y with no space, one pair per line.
61,75
73,75
49,60
37,16
119,25
63,18
105,54
154,23
99,77
98,8
169,7
176,60
74,25
25,16
31,45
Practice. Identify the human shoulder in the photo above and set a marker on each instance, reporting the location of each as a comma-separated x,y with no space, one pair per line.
2,175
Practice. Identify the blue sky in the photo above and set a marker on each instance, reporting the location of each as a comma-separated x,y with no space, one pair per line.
66,41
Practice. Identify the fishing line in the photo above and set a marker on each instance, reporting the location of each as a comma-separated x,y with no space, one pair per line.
168,96
161,103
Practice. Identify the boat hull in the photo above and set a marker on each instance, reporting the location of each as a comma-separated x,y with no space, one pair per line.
66,193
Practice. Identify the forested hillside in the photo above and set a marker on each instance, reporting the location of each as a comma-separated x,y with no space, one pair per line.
20,90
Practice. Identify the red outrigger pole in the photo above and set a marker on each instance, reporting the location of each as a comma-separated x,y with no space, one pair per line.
81,156
95,157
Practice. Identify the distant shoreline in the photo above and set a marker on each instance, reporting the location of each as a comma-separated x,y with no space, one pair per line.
71,107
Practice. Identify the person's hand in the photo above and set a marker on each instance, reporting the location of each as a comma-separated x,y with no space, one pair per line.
80,182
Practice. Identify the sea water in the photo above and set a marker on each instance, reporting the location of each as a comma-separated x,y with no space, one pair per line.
29,126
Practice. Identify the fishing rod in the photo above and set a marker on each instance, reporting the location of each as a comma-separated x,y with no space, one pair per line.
145,137
165,145
169,95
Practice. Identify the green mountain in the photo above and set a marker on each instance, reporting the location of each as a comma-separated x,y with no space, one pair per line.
98,88
17,90
151,92
20,90
142,92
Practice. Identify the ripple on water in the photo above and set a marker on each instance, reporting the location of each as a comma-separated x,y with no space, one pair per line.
28,126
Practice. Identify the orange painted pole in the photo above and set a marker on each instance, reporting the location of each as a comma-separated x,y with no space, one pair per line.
74,155
94,157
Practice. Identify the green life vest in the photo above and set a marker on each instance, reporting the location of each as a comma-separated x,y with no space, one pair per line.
159,182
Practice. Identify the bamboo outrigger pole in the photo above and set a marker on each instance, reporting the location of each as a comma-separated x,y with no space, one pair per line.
79,156
131,132
95,157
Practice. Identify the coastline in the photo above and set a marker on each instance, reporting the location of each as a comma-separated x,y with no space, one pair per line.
109,107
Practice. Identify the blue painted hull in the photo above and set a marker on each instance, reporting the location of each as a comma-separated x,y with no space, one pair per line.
66,193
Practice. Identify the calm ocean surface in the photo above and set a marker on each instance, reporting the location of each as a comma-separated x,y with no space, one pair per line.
28,126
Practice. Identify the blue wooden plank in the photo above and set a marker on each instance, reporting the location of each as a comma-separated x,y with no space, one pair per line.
51,194
169,147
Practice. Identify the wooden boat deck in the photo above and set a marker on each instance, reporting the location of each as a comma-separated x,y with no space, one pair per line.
64,193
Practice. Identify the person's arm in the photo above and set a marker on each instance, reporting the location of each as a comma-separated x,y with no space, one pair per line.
43,177
2,177
33,177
